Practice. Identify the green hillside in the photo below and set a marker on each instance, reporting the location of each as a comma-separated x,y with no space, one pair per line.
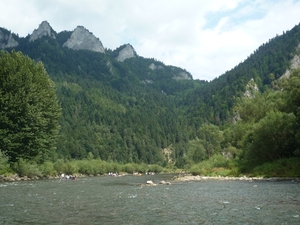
137,110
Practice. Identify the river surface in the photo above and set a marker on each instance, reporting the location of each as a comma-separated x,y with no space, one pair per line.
121,200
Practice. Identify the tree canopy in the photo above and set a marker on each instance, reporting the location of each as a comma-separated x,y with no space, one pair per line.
29,108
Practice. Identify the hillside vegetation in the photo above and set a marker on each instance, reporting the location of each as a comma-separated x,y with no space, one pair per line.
140,111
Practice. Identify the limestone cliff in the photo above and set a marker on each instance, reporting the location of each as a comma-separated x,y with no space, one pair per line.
154,66
82,39
44,29
182,76
7,40
295,63
251,89
126,53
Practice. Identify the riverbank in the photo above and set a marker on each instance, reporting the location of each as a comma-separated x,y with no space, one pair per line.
188,178
180,178
15,177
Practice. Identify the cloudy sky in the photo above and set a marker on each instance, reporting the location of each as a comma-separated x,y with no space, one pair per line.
204,37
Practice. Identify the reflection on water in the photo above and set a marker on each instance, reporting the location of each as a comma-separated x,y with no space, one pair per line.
121,200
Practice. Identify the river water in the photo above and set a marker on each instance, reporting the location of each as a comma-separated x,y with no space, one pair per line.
121,200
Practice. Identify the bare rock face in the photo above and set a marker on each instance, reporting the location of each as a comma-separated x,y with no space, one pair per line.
154,67
7,40
182,76
82,39
44,30
295,63
126,53
251,89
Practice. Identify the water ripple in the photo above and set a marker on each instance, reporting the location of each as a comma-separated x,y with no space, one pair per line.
102,200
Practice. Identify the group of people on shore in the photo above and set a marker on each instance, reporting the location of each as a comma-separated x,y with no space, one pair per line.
67,177
113,174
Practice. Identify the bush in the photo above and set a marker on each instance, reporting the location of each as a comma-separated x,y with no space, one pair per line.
142,168
99,166
286,167
217,165
59,166
47,169
129,168
155,168
26,168
70,168
86,167
4,165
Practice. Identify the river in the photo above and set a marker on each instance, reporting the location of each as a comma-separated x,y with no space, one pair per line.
121,200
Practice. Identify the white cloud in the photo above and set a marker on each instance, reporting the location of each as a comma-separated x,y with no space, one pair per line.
204,37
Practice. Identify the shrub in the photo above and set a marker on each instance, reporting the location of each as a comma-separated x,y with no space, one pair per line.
130,168
86,167
155,168
70,168
59,166
4,165
286,167
26,168
47,169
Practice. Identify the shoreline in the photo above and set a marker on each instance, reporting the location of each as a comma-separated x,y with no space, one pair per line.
189,178
16,177
178,178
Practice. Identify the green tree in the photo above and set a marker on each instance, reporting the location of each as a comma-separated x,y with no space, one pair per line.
271,139
29,109
211,137
196,151
291,90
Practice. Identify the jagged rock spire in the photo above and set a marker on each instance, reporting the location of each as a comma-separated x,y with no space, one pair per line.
7,40
82,39
44,30
126,53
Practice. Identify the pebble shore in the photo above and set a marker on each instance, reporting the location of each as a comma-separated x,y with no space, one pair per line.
187,178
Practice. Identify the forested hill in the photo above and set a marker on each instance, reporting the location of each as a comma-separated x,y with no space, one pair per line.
266,64
126,108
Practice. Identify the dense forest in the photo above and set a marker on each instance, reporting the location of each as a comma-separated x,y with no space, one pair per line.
139,111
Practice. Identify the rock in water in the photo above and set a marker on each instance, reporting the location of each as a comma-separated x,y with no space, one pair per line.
149,182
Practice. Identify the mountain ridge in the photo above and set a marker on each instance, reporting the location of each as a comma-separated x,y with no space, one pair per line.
78,39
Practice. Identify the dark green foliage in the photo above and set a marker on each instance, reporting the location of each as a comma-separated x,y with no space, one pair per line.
4,165
27,168
216,165
286,167
29,110
271,138
268,129
128,112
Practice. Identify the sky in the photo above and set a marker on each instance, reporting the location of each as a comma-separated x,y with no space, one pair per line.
207,38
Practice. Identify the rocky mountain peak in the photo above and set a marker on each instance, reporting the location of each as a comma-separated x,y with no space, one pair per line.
44,29
126,53
82,39
7,40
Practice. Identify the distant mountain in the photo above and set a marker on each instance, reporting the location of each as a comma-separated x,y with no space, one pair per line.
123,107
